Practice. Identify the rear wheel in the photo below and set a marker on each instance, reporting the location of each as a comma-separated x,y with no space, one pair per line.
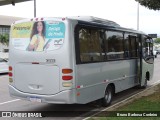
155,56
106,101
145,84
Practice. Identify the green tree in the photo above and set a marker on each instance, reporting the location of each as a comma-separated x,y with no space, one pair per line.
4,39
151,4
157,40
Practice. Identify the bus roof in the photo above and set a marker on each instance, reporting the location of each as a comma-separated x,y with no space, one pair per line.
88,20
96,20
103,22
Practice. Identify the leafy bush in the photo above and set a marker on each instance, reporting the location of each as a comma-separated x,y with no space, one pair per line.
4,39
157,40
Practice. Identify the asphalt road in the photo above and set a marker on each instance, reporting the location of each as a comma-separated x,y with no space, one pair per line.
10,104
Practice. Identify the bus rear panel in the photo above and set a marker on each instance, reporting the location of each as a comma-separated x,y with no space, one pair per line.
41,67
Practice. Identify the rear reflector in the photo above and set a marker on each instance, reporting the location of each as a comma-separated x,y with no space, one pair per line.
10,74
67,71
78,93
67,77
10,68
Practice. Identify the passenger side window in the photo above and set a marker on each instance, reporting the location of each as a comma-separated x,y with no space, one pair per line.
131,45
127,45
114,45
91,45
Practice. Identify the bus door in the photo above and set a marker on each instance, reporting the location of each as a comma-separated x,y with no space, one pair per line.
146,59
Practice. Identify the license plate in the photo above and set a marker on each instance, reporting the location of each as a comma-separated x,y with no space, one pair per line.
35,99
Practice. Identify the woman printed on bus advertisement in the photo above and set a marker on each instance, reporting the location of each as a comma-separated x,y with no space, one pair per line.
37,37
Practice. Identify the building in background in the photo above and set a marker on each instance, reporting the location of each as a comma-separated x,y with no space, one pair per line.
5,23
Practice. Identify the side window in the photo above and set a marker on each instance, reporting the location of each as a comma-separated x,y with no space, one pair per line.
91,45
138,44
127,45
114,45
84,36
131,45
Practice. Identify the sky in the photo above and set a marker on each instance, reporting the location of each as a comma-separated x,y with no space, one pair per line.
124,12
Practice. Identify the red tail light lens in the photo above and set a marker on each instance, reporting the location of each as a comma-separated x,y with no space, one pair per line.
67,77
10,74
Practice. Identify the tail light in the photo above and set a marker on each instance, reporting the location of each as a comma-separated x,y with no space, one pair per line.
10,74
10,68
67,78
67,71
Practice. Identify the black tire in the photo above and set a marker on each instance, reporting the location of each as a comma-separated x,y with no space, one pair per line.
144,86
155,56
106,101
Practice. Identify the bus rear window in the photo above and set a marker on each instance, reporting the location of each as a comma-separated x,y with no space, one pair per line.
38,36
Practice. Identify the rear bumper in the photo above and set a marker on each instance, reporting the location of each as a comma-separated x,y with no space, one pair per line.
64,97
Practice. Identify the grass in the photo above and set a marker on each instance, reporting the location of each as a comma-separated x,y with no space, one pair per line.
145,103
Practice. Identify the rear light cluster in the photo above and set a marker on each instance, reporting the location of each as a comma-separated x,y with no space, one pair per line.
67,77
10,74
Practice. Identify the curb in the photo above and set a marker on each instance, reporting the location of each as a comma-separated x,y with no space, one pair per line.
148,91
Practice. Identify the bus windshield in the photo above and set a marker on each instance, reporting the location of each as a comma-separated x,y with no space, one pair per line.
148,50
38,36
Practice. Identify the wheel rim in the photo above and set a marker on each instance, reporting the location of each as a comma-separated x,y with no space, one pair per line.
145,84
108,96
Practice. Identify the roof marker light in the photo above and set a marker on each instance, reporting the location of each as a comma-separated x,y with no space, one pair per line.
42,19
78,93
63,19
